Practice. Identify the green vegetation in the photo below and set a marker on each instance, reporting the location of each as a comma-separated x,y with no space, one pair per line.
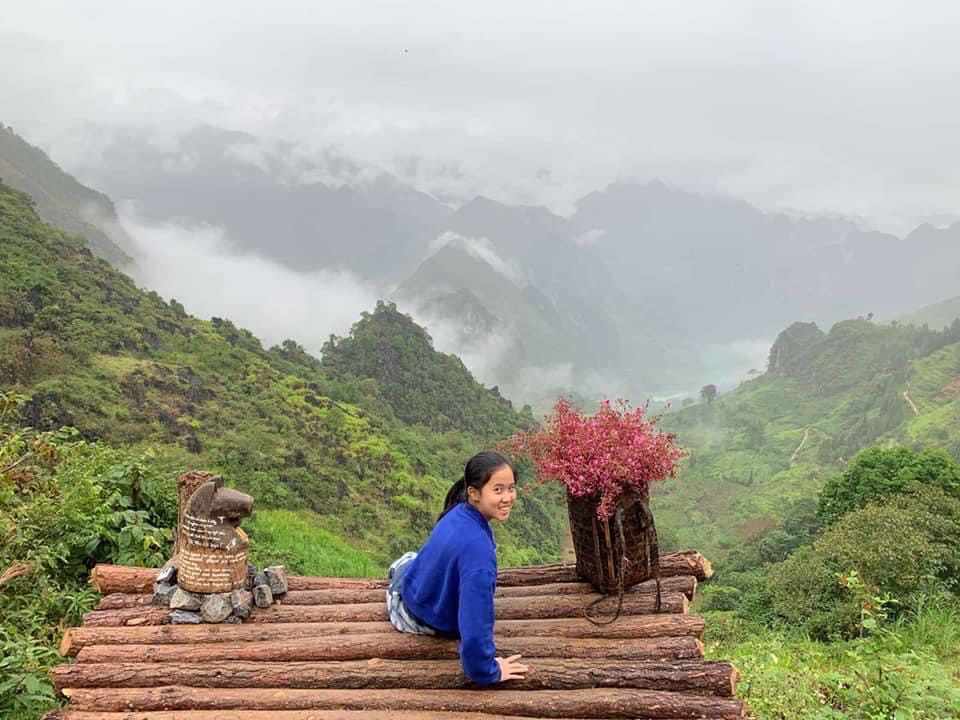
420,385
900,670
778,438
826,491
65,504
858,620
879,472
122,366
299,541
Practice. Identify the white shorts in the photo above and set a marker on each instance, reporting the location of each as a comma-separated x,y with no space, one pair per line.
402,619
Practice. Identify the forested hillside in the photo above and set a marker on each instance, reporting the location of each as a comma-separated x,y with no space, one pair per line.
420,385
131,370
349,456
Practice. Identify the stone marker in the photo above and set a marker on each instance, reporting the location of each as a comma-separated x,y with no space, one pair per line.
212,548
209,578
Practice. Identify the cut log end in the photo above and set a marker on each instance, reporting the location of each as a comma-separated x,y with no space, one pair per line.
66,643
706,567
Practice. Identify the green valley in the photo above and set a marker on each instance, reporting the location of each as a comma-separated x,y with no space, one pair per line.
828,492
778,437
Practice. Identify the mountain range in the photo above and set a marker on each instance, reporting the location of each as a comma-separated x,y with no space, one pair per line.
644,290
364,437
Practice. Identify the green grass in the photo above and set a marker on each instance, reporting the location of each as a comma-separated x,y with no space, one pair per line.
279,535
785,676
118,365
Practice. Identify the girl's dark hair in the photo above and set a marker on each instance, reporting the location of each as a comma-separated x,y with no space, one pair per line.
476,474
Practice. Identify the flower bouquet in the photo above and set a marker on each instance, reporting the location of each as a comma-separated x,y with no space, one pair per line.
607,462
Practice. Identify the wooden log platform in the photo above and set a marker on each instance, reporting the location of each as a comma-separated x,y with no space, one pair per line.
292,715
125,579
327,652
686,584
397,646
596,703
536,607
627,627
697,676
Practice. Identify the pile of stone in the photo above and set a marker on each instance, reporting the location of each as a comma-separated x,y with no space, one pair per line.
191,608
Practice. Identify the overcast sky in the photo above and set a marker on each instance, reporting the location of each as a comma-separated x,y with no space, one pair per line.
843,106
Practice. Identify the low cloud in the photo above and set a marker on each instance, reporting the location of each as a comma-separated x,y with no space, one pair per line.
482,249
730,363
199,267
491,358
484,355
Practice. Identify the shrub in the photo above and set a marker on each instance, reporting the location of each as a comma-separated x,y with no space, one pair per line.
64,505
907,546
878,472
721,597
804,591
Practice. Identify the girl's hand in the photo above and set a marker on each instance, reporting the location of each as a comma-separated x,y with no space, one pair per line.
510,669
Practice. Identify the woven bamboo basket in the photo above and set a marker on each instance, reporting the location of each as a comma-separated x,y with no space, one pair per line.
616,553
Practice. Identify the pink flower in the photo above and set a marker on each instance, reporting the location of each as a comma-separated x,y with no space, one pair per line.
602,455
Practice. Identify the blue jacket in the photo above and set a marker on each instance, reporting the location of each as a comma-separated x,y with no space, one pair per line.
450,586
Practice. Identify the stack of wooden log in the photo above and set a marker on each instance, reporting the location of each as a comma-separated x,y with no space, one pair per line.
329,653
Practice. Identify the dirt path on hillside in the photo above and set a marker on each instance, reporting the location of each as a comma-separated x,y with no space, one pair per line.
906,396
806,434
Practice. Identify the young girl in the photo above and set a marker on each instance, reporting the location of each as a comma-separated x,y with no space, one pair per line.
447,588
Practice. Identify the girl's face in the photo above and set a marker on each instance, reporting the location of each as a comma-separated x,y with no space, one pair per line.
495,500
